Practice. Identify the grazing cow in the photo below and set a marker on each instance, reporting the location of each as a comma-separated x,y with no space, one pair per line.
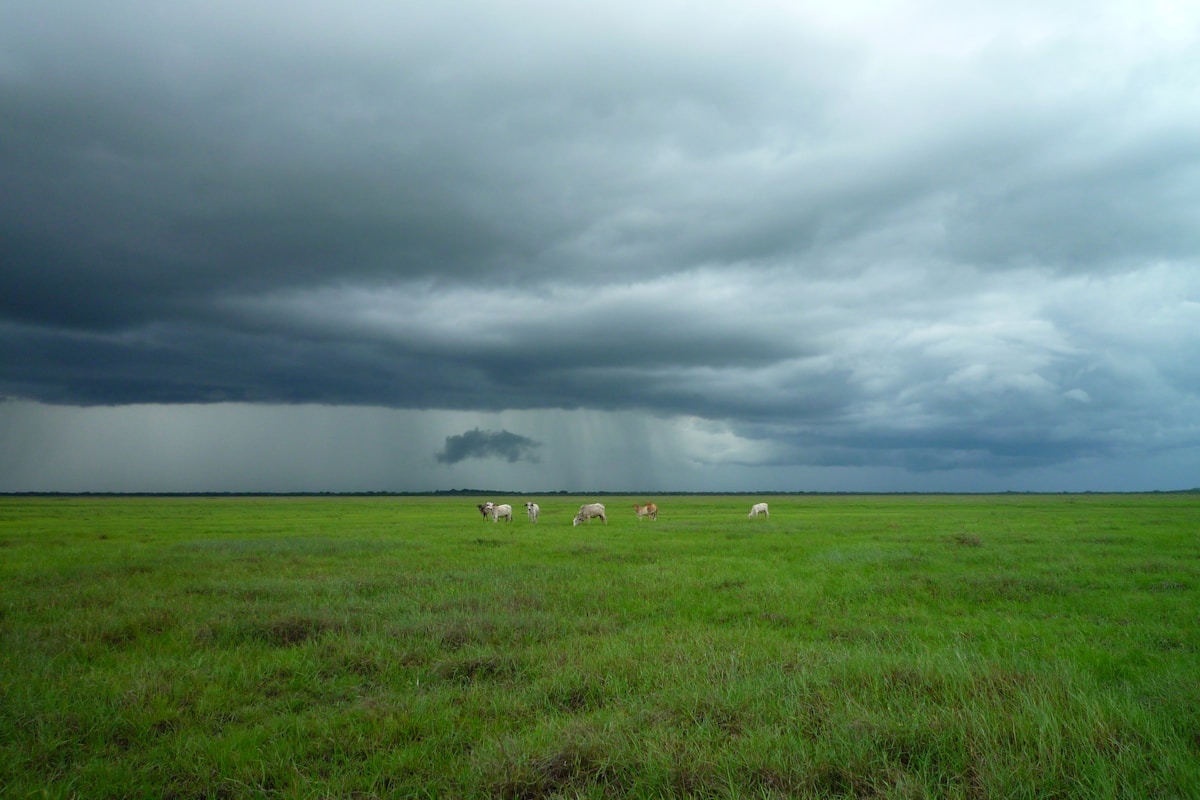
649,510
589,510
759,508
532,509
486,509
502,510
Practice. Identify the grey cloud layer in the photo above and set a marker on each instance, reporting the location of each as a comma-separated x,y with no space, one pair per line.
865,238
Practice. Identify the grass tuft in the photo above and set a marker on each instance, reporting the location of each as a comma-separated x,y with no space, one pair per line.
569,770
478,669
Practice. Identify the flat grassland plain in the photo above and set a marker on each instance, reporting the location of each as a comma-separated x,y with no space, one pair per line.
1015,646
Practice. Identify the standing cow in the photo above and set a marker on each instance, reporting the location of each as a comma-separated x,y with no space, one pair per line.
486,509
649,510
759,508
589,510
502,510
532,509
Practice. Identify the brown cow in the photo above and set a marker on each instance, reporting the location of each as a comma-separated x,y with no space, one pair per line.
649,510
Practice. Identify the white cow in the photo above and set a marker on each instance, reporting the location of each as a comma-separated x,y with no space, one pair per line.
649,510
532,509
502,510
759,508
589,510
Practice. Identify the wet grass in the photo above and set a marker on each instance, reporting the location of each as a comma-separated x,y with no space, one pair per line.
909,647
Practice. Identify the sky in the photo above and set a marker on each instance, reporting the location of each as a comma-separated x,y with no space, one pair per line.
623,246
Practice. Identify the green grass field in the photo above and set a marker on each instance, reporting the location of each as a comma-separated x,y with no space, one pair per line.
912,646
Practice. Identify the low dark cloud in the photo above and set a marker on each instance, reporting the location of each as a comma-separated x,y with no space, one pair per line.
475,443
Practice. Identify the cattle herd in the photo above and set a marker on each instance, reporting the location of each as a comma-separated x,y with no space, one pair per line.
587,512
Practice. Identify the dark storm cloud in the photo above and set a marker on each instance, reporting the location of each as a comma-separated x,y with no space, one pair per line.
925,236
475,443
